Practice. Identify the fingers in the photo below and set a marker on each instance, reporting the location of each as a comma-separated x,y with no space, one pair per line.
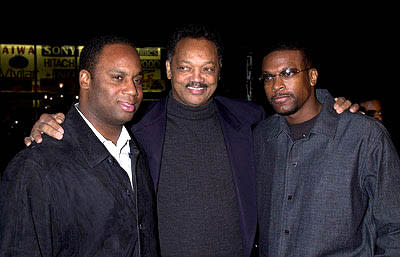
354,108
28,141
59,117
346,105
36,134
341,104
48,124
37,137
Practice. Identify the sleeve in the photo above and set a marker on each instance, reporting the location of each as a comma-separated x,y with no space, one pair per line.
382,184
25,224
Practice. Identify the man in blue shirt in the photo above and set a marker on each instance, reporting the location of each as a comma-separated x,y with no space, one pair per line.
327,184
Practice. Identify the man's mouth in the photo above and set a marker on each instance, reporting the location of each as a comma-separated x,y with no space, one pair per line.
128,107
279,99
196,88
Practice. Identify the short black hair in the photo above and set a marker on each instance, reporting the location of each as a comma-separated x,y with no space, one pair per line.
296,45
195,31
93,48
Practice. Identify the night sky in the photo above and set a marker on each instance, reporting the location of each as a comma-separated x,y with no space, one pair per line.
352,48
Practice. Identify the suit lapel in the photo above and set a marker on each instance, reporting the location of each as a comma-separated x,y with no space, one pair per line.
239,145
150,133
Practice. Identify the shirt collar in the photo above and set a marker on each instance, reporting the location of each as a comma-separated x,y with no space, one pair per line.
327,120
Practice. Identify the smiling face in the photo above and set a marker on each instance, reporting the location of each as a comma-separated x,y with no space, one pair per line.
194,71
293,96
112,94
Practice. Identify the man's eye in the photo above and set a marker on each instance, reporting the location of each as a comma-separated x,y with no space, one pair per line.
268,77
138,81
288,73
118,77
183,68
209,69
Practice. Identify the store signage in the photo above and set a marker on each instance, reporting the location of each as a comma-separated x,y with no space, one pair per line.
60,63
17,62
150,58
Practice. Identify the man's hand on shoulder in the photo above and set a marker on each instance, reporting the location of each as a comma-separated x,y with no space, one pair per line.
48,124
342,104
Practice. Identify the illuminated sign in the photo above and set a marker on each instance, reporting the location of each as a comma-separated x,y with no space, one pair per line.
55,64
150,58
17,62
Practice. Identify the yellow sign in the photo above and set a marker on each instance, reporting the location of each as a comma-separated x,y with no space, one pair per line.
17,62
150,58
59,64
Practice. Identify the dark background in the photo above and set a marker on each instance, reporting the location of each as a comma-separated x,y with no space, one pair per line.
355,49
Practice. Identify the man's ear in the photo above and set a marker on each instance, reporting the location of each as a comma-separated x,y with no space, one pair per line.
84,79
168,68
313,74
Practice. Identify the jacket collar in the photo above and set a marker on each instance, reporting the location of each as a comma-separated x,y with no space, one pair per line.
155,114
226,115
79,132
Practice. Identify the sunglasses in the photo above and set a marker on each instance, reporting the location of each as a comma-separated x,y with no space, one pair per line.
286,74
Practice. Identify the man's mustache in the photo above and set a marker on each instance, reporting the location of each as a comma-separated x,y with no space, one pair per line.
281,95
196,84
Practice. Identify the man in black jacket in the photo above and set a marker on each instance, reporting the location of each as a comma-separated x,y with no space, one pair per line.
90,194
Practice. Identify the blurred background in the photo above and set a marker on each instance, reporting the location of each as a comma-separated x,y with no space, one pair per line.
355,52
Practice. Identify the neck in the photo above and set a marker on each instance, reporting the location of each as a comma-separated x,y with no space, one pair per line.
308,111
108,131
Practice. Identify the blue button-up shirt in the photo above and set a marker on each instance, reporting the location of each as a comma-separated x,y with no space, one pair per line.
335,192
